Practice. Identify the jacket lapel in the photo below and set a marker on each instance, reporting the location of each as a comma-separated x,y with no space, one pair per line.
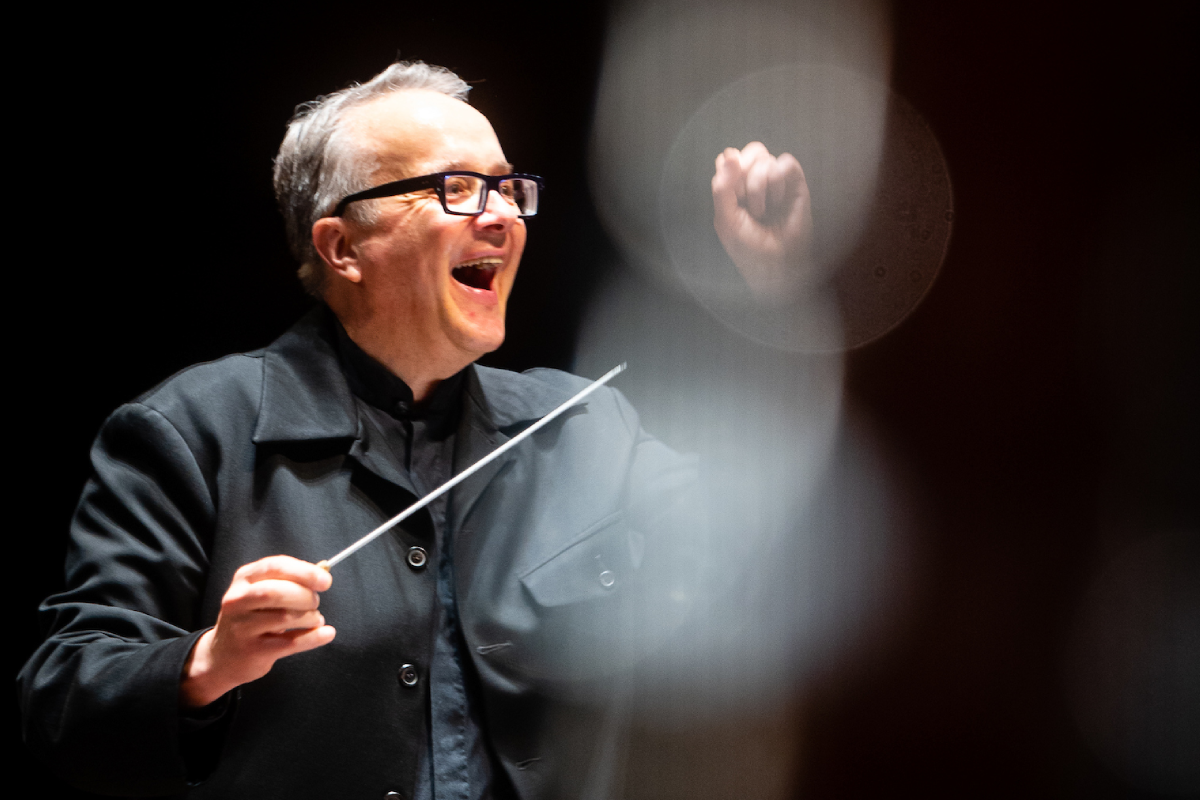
497,405
306,399
304,394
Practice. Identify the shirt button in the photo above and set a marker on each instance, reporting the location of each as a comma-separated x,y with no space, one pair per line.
607,579
408,675
417,557
401,407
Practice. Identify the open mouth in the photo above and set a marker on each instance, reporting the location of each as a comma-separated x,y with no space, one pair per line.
477,274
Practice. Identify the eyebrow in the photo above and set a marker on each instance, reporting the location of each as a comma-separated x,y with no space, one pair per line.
502,167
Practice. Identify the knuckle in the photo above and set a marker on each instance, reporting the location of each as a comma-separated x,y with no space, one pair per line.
258,593
234,596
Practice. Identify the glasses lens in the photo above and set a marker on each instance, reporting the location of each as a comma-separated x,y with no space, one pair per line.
521,192
462,193
465,194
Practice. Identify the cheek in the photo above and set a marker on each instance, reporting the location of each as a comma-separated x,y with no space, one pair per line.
518,250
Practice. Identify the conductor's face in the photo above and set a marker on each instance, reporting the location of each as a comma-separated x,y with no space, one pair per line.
438,280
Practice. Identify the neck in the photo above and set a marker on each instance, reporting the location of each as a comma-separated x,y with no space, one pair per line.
413,365
421,368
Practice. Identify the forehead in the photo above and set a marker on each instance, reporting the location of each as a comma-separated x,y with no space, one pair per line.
416,132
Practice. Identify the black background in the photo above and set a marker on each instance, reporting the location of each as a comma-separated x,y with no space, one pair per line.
1044,393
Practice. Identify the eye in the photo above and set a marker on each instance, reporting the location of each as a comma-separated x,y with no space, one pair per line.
458,186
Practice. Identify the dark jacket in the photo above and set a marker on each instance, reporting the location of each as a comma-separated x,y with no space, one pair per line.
264,453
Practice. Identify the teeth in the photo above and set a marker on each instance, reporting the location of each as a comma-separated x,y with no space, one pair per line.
477,273
486,261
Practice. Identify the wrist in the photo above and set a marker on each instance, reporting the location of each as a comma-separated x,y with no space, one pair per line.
199,684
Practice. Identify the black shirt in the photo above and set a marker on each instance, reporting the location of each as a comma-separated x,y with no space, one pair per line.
457,762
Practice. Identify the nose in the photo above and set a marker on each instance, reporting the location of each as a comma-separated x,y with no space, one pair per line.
498,213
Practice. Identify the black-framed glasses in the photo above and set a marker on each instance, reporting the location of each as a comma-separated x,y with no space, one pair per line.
464,193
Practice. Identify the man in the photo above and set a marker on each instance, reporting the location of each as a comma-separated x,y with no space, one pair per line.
463,639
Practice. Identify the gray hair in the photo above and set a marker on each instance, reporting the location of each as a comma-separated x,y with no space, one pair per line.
319,163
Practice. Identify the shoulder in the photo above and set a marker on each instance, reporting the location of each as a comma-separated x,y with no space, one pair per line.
514,398
235,383
536,379
228,379
188,419
216,394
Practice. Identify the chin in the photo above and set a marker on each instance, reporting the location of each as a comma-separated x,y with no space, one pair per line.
478,343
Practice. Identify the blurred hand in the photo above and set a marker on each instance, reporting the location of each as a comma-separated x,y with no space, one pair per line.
763,217
269,611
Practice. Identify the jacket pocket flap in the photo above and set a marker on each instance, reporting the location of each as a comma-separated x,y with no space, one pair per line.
594,565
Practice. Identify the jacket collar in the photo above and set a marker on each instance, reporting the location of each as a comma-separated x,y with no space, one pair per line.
497,405
305,396
506,401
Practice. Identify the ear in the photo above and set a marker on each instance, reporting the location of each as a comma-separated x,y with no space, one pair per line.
332,238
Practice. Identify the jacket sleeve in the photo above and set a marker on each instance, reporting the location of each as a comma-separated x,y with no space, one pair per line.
100,697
